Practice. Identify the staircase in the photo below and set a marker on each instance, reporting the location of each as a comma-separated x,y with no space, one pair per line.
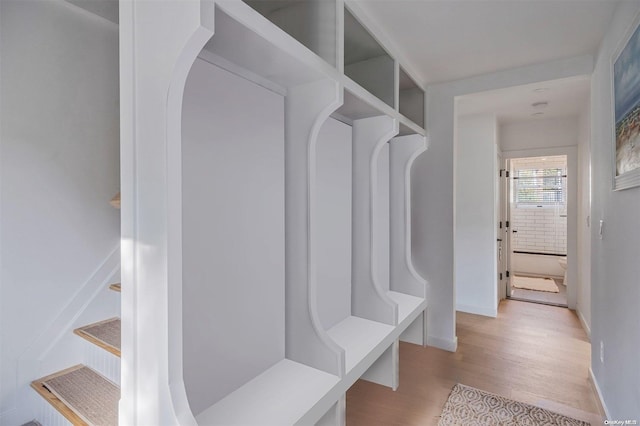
82,395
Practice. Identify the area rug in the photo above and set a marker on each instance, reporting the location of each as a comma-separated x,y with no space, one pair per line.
470,406
532,283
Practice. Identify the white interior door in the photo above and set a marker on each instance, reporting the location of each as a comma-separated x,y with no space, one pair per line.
507,185
502,233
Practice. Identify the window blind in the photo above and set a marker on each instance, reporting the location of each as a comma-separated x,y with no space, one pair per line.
540,186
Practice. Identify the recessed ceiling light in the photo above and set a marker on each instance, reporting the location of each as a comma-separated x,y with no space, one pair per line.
541,89
537,114
540,105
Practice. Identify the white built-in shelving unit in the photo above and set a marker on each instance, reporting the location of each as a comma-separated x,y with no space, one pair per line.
290,134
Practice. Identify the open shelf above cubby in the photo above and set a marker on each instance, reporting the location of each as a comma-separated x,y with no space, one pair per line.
274,58
411,99
311,22
366,62
354,107
268,57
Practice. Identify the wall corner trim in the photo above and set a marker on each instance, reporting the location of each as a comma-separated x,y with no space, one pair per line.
450,345
584,323
478,310
595,385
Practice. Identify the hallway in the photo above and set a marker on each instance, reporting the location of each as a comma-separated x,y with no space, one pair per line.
533,353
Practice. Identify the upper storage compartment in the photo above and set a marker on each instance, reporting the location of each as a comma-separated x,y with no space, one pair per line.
311,22
366,62
411,99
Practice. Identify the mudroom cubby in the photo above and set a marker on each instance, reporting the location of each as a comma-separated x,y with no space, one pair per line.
358,306
354,310
289,234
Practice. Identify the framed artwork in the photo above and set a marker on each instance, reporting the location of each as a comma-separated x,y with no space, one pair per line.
626,109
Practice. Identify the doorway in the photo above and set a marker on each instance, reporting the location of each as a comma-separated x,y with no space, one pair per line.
536,240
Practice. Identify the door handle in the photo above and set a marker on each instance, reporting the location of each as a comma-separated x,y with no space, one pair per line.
499,239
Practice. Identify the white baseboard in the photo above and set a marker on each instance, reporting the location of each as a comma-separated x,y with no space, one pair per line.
586,327
478,310
450,345
599,392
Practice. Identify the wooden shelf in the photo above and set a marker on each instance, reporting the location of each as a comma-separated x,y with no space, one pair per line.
282,395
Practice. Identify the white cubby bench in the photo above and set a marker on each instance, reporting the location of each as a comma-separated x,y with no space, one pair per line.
290,134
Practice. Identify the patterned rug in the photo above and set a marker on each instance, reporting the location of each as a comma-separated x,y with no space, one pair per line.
470,406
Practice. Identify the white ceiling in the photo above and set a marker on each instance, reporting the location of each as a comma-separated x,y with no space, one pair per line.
565,98
447,40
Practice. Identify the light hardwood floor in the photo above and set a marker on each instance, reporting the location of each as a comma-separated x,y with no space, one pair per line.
533,353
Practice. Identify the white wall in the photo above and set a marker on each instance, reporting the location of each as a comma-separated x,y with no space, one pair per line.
475,248
615,286
432,184
59,168
233,232
545,133
584,220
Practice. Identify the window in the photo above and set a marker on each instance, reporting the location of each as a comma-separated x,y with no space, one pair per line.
540,187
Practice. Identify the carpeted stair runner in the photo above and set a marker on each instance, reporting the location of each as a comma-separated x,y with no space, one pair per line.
105,334
83,396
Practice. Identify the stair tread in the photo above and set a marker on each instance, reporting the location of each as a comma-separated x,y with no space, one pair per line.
105,334
115,287
115,201
81,395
